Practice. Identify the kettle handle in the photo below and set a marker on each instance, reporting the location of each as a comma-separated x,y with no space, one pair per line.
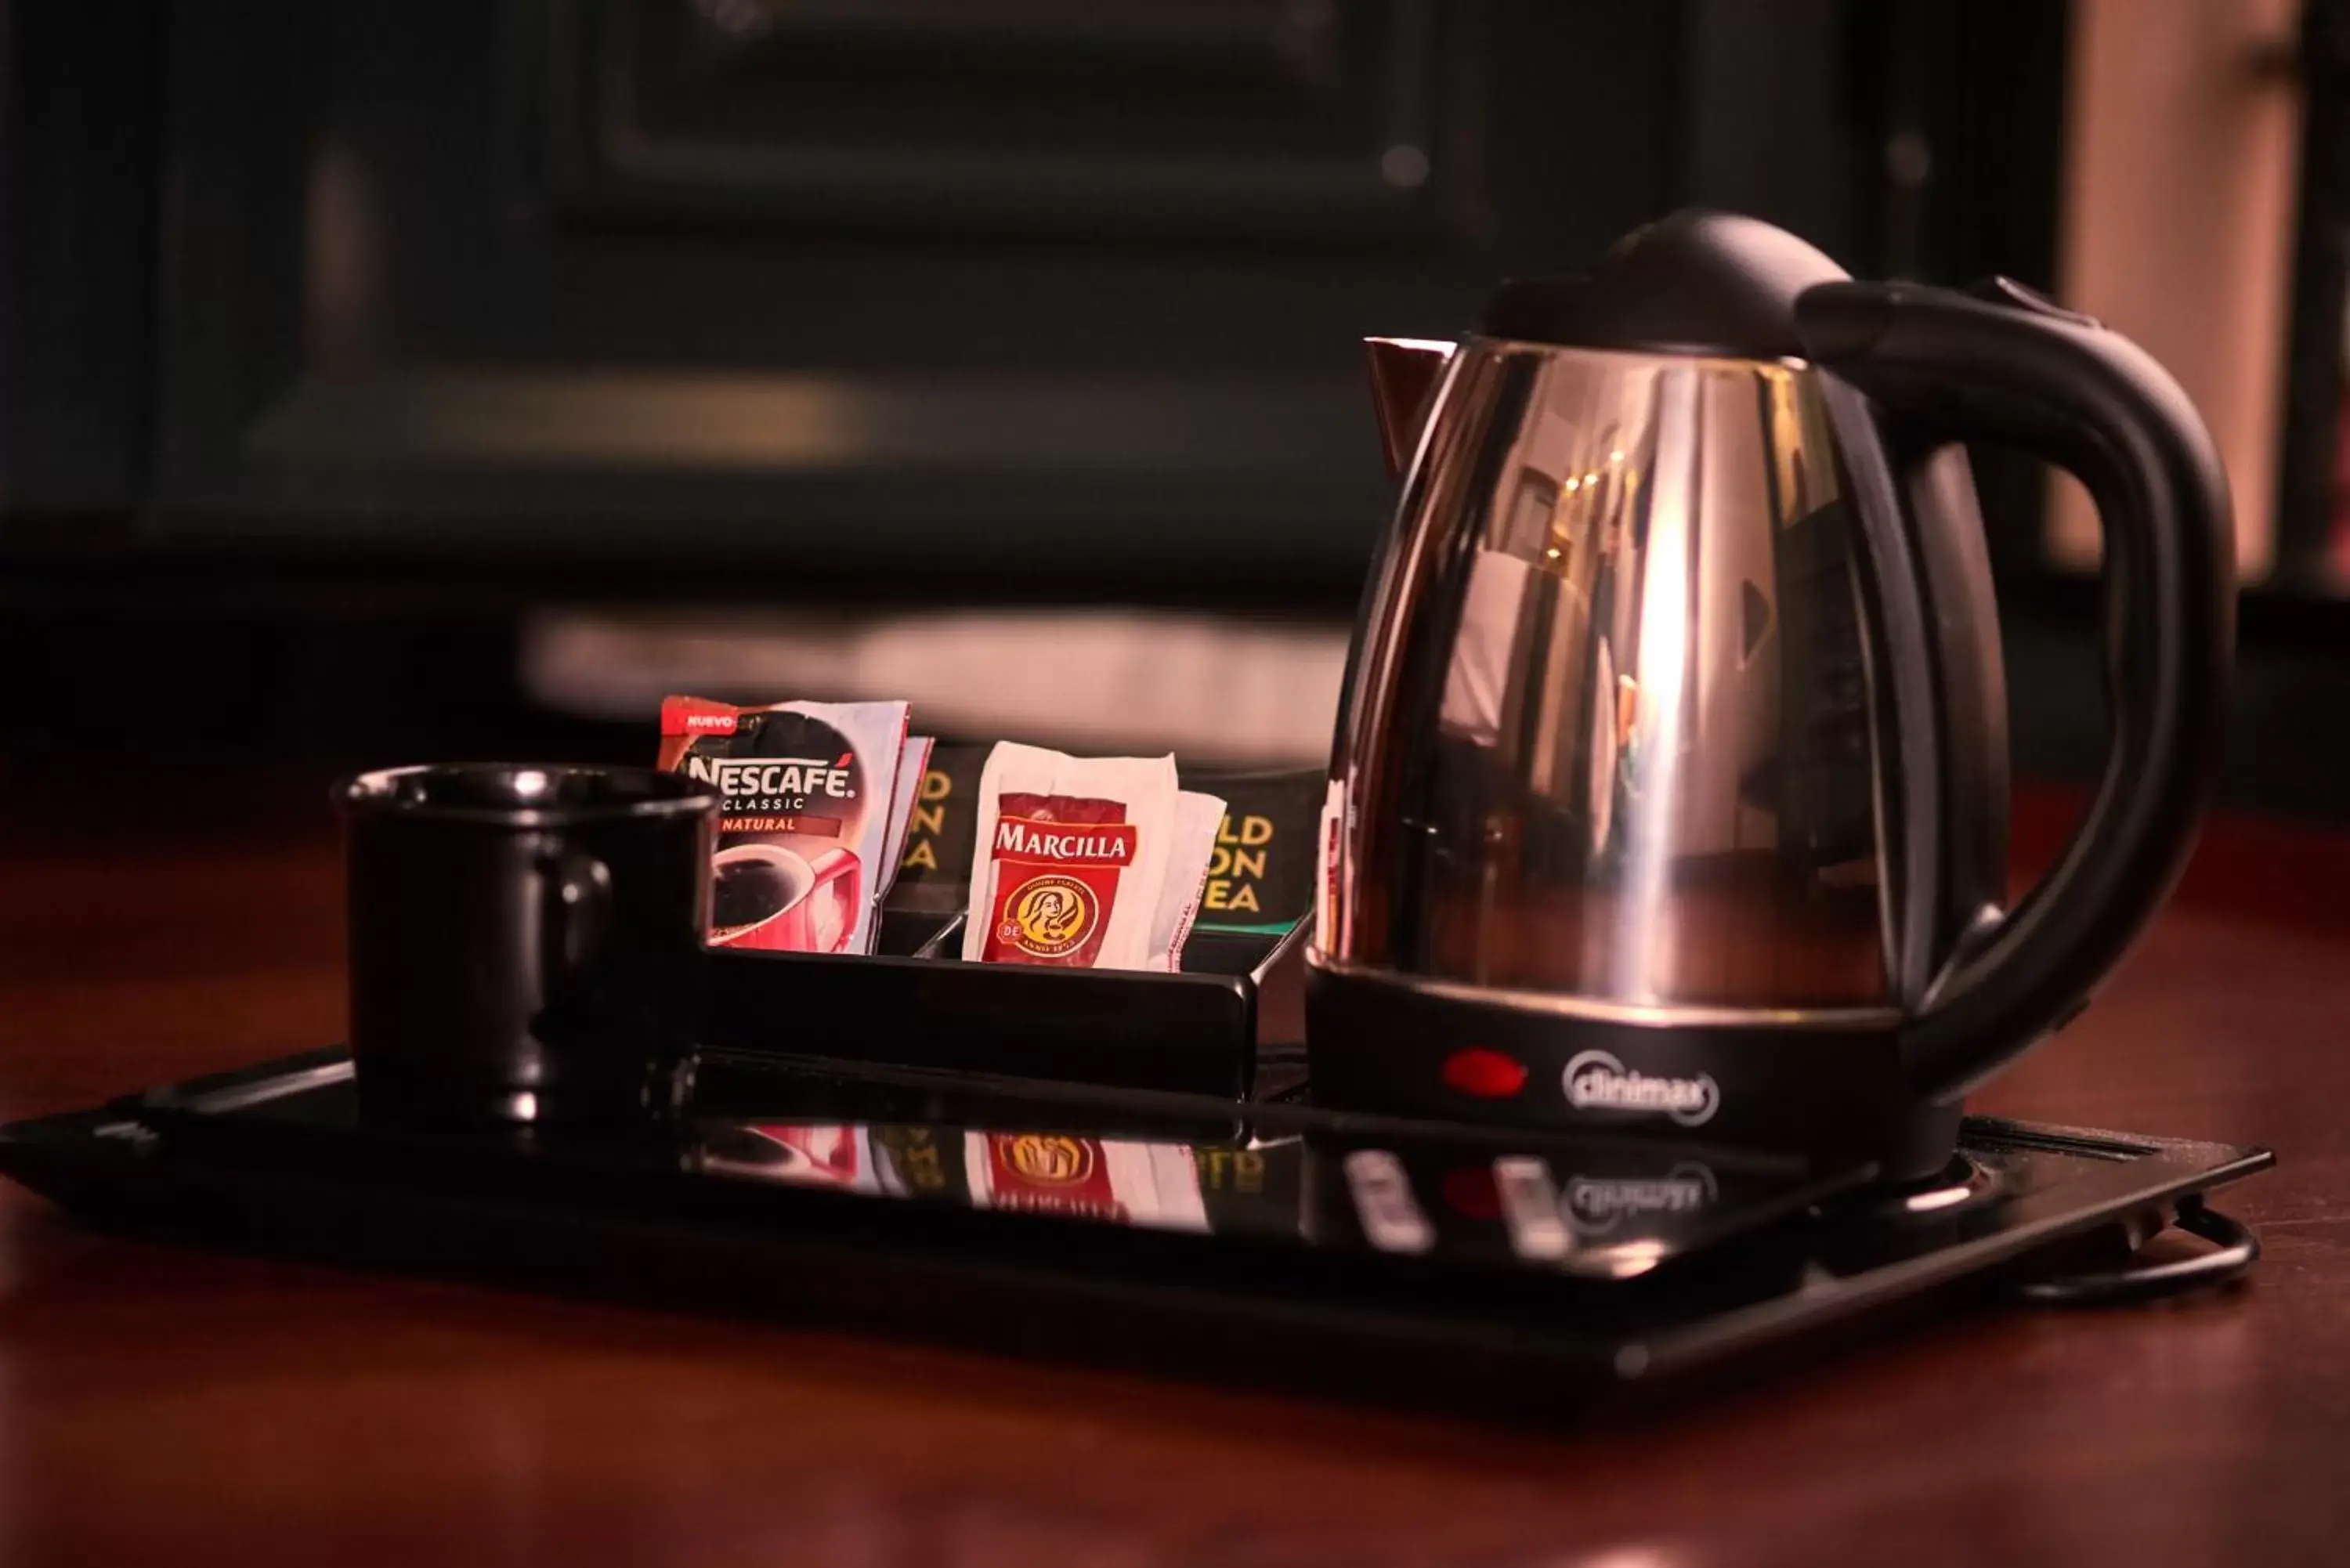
2017,369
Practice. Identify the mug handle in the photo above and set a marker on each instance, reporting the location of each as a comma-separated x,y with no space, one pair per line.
837,881
575,918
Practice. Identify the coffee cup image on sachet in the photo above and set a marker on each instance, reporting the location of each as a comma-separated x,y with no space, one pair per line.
766,896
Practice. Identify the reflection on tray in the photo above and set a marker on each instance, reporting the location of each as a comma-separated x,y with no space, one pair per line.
1614,1220
1115,1182
1289,1175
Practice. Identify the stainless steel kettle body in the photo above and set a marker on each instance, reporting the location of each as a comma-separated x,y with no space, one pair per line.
1670,789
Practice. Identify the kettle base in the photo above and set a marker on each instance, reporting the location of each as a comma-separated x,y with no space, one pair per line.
1827,1087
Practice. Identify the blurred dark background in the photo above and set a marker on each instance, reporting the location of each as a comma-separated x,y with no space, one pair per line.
383,380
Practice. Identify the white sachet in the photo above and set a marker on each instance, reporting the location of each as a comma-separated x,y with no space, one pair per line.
1069,858
1190,850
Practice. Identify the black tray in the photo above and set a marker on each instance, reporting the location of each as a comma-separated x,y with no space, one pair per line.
1258,1242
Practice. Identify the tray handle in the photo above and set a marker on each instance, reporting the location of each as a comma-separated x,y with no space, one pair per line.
2235,1248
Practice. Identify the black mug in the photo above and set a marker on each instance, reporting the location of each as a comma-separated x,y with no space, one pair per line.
526,940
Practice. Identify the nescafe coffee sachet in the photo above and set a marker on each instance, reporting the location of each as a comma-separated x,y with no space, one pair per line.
1086,862
817,798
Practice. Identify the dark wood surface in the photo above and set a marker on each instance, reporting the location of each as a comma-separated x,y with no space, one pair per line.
163,1404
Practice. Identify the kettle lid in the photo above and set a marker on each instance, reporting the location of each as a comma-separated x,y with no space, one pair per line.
1697,282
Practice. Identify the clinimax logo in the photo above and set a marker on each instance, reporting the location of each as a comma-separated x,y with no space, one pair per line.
1598,1081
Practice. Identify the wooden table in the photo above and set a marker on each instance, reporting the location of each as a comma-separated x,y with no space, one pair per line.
163,1404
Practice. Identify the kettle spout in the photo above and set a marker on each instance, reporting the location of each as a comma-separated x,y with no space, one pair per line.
1403,385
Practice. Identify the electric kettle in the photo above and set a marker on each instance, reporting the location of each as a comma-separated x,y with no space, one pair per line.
1670,789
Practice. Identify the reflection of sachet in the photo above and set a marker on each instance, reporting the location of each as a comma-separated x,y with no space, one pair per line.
800,1154
1252,1188
1260,877
1110,1180
915,1159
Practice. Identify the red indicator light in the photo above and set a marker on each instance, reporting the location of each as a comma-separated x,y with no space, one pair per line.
1487,1074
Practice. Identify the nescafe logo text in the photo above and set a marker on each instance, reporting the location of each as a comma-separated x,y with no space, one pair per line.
774,784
